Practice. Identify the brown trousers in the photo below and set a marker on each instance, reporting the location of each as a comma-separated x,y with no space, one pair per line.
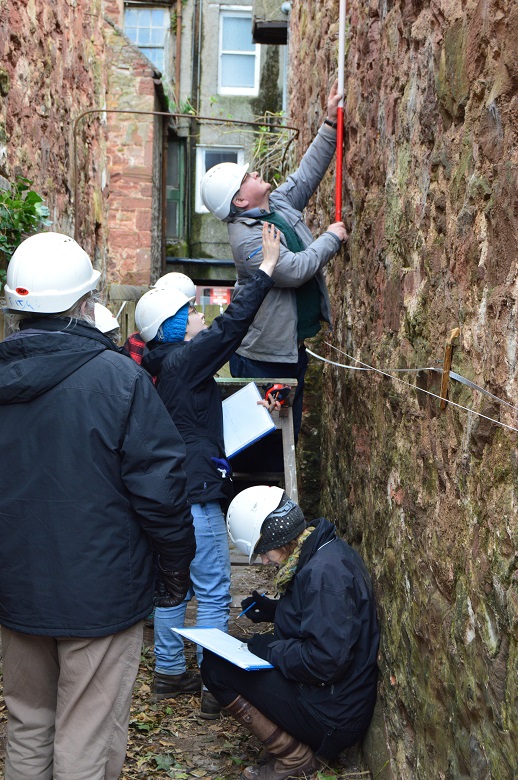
68,703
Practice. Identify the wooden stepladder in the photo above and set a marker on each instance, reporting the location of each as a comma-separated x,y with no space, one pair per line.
258,472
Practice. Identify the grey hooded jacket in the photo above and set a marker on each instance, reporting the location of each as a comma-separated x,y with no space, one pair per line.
272,336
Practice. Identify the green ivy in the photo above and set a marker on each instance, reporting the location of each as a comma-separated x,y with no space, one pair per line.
22,212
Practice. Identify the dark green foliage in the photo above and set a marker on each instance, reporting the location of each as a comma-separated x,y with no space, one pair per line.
22,212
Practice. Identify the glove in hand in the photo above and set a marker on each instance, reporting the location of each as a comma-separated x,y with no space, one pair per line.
172,587
263,610
223,466
259,645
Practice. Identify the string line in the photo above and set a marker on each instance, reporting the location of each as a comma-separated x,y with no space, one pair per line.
366,367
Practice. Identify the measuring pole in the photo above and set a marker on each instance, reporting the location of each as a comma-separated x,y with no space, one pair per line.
340,115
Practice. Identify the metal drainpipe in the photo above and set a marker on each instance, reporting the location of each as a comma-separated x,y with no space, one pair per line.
154,113
165,148
178,48
195,97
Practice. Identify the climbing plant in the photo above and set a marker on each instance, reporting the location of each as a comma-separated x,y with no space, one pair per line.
271,142
22,212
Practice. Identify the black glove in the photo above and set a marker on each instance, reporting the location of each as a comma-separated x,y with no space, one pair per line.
172,587
259,644
263,610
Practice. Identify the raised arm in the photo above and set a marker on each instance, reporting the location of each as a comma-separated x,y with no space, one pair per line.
301,185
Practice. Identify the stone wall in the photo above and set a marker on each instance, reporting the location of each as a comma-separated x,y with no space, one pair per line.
430,497
134,157
50,71
99,173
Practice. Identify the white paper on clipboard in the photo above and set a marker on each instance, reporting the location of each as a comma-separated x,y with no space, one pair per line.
244,421
226,646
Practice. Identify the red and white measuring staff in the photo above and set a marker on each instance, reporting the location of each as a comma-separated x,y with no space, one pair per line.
340,114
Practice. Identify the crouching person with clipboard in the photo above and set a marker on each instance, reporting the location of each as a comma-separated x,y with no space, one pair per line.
319,697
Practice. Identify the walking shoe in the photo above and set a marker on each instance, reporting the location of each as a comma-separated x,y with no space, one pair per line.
166,686
210,706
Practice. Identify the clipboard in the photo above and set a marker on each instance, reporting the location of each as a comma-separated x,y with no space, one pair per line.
226,646
244,421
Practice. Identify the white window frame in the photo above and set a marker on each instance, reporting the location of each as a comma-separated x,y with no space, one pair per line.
242,12
201,168
167,31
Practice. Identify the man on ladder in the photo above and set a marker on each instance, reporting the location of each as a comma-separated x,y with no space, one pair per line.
274,344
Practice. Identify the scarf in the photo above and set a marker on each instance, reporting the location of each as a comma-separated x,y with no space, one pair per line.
287,570
308,294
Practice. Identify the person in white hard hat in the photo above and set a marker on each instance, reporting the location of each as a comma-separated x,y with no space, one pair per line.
92,495
320,694
106,322
274,345
135,345
184,354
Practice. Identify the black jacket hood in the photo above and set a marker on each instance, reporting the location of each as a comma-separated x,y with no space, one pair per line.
43,353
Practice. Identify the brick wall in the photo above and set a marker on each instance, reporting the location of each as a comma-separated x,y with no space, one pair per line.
101,177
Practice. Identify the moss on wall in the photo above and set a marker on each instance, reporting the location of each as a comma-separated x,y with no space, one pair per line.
429,497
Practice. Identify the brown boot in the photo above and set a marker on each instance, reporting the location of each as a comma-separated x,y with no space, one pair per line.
291,758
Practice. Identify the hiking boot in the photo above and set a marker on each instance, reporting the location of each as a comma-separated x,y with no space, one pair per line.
210,706
167,686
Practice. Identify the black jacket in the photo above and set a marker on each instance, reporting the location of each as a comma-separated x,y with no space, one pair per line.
326,632
91,481
185,382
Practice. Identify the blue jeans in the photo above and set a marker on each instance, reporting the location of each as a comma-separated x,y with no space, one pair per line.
210,578
244,367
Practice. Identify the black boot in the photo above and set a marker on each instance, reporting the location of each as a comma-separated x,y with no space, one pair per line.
291,757
167,686
210,707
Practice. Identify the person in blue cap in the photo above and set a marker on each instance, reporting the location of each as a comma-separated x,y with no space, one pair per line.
184,354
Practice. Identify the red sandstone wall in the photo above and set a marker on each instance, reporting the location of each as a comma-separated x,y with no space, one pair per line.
50,71
134,182
101,177
431,499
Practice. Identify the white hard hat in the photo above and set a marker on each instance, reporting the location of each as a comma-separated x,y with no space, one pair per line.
48,273
155,307
176,281
104,319
246,514
219,185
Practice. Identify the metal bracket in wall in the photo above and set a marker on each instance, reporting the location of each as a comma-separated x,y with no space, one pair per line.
448,355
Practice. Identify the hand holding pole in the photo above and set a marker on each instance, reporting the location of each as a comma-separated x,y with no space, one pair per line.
340,113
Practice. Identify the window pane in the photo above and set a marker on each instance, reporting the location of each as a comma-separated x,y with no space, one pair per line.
155,55
144,17
131,33
130,17
237,34
214,157
157,37
172,226
237,70
158,18
173,167
144,37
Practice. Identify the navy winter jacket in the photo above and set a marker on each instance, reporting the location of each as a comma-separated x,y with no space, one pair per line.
185,382
91,483
326,632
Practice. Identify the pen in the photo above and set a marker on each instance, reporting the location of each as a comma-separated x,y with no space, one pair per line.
248,258
251,605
